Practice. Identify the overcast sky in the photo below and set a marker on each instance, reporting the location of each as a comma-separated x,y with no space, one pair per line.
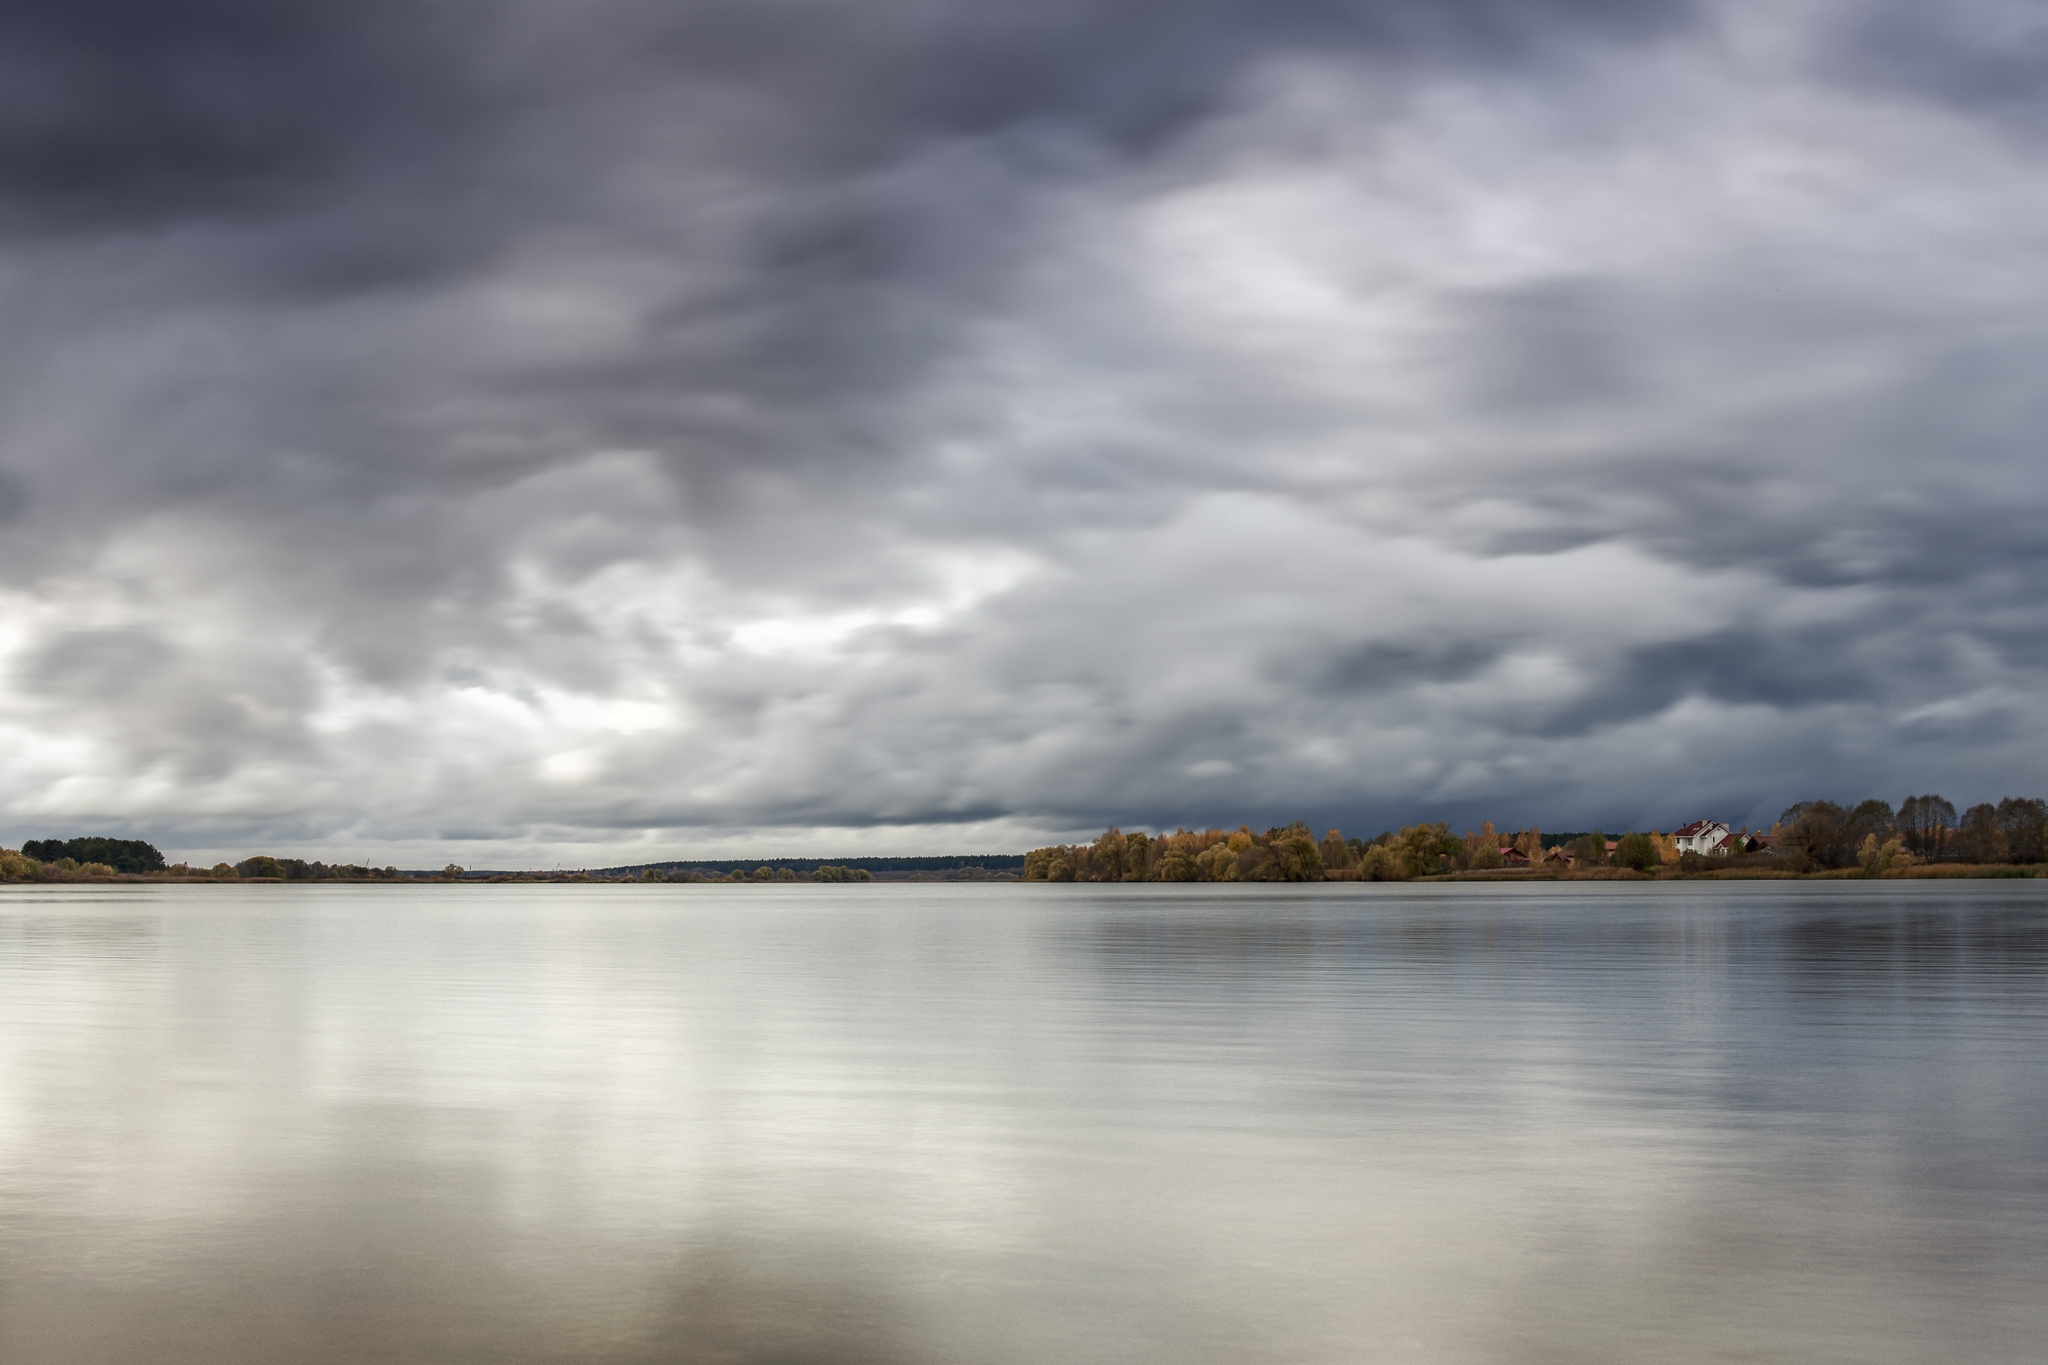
596,430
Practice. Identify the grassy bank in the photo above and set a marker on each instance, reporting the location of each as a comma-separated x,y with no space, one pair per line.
1921,871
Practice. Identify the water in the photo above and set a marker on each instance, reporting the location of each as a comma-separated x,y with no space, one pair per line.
809,1124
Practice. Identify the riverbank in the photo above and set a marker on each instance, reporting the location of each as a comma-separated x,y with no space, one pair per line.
1923,871
1920,871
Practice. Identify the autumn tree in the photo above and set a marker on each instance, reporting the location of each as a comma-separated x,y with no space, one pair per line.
1638,851
1979,837
2024,822
1422,849
1337,854
1378,864
1877,859
1926,822
1219,864
1290,855
1811,834
1137,857
1867,818
1107,856
833,872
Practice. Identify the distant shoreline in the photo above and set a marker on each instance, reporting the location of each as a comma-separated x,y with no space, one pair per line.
1919,872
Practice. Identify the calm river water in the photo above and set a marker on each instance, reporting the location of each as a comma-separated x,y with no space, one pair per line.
816,1125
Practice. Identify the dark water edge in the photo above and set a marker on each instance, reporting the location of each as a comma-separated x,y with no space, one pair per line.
1567,1122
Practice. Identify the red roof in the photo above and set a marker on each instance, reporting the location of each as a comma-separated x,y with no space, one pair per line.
1696,827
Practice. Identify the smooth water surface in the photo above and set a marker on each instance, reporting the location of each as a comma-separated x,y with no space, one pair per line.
1002,1123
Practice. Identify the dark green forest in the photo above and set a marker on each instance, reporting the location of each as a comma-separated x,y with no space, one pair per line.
123,855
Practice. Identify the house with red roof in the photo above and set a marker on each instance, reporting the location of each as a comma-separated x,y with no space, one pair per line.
1703,836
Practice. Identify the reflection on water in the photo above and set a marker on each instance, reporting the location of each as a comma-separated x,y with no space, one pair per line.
1003,1123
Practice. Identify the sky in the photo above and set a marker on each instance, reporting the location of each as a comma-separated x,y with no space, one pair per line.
591,431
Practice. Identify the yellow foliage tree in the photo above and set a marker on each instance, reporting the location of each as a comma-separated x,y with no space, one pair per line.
1219,864
1378,864
1877,859
1422,847
1337,854
1137,857
1290,855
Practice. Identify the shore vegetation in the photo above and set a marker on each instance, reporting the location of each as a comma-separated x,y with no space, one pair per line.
1924,836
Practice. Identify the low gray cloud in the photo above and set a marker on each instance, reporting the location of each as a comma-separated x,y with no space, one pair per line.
510,433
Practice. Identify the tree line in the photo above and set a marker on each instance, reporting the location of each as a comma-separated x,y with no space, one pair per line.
1809,836
930,862
87,858
818,872
1824,834
1292,853
118,855
1289,853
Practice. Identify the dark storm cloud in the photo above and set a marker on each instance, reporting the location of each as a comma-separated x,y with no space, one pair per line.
201,63
1783,670
125,112
548,424
1384,667
1986,56
830,246
345,152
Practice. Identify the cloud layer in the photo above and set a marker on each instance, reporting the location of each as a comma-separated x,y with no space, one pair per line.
520,431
